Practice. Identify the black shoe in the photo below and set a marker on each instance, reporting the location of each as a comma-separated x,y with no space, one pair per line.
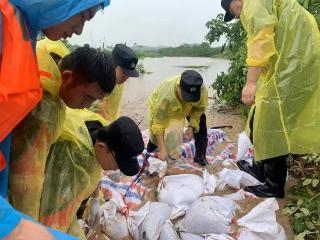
256,170
201,161
275,170
265,191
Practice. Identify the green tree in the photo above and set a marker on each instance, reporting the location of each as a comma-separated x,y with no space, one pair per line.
229,85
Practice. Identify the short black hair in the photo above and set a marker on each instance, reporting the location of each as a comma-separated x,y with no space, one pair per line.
91,65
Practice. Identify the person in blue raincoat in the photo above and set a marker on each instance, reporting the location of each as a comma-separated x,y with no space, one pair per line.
56,19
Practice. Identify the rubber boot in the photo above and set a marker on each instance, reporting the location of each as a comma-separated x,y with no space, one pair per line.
201,149
256,169
275,171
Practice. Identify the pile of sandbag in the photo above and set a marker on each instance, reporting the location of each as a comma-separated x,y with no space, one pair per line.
186,208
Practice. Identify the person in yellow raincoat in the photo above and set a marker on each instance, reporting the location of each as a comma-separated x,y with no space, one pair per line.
88,144
82,77
180,97
125,61
282,86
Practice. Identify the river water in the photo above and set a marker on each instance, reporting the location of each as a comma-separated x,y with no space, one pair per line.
137,90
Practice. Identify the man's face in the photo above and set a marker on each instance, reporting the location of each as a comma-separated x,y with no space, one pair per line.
235,8
78,94
121,77
70,26
105,157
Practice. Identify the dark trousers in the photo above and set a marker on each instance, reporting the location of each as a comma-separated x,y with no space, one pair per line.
200,138
275,169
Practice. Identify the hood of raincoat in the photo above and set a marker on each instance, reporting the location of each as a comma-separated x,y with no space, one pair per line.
41,14
49,71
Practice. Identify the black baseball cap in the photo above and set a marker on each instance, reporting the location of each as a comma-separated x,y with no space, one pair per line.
225,4
124,138
190,85
126,59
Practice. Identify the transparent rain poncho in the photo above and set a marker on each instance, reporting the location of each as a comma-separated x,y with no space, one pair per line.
284,39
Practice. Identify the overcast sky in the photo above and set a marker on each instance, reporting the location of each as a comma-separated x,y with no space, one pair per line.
150,22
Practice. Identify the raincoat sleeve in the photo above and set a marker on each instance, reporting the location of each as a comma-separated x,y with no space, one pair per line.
32,140
109,106
259,21
71,158
160,117
198,109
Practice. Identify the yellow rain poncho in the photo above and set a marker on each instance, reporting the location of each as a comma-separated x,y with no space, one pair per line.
56,47
33,138
165,107
284,39
109,106
72,173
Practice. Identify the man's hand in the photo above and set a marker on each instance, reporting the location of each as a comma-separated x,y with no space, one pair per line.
27,230
188,134
163,155
95,215
248,93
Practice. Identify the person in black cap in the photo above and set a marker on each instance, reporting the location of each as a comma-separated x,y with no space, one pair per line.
283,59
87,146
233,9
125,62
180,97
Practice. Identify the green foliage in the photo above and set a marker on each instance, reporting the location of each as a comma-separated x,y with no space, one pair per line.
184,50
229,85
140,68
305,201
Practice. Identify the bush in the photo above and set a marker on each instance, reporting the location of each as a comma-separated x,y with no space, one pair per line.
229,85
305,200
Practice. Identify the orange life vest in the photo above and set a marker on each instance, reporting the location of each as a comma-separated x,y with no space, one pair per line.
20,88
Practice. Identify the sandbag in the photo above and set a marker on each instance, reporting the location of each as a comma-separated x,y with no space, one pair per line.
179,191
168,232
190,236
236,178
244,144
218,237
261,223
114,224
157,166
152,224
210,214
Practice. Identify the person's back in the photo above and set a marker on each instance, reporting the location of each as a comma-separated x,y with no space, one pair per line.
72,173
75,163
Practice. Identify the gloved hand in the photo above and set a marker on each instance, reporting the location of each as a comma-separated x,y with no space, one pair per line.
95,213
